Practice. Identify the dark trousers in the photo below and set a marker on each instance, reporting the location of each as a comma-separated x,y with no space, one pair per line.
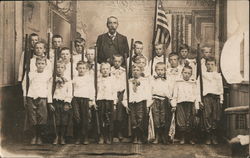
37,111
63,118
138,112
185,116
120,116
211,113
81,115
106,117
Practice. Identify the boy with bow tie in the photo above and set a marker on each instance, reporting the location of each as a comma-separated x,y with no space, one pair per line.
118,72
139,99
185,101
90,55
106,99
161,107
61,103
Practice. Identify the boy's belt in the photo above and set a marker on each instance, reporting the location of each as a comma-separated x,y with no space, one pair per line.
159,97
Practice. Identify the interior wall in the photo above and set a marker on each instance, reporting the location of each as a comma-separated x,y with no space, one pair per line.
135,17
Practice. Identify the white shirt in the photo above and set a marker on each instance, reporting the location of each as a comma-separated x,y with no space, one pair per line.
84,86
174,74
32,66
186,91
67,72
212,83
78,57
63,92
161,87
40,85
140,93
120,77
106,88
156,60
192,63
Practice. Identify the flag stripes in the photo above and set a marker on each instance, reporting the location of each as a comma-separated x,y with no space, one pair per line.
162,29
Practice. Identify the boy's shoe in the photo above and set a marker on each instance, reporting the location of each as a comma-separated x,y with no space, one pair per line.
63,141
86,142
155,141
192,142
108,141
56,141
135,141
120,136
182,141
208,141
139,141
39,141
214,140
101,140
33,141
77,142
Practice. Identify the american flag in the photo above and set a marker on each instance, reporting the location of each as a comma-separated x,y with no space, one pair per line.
162,26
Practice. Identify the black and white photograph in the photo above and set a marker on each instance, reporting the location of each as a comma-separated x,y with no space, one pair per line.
124,79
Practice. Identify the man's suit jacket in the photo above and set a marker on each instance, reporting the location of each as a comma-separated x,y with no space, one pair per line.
122,46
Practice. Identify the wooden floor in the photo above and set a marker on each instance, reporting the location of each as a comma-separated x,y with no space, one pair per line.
117,150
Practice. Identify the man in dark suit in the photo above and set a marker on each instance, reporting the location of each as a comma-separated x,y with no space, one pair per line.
111,43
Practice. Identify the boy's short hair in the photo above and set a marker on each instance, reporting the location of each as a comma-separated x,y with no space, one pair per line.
187,67
172,54
79,40
160,64
136,65
40,42
41,58
105,63
60,62
90,49
57,36
211,59
64,48
82,63
33,34
138,42
159,43
206,46
184,46
118,55
140,57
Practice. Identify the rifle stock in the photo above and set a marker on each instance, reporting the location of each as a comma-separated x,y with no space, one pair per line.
48,47
129,75
95,81
130,58
199,71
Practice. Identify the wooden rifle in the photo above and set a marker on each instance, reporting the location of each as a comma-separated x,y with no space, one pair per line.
95,82
128,76
199,71
48,47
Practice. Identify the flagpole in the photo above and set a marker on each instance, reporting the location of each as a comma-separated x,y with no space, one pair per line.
153,49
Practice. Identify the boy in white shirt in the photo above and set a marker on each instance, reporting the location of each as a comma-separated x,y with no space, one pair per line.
184,60
65,57
119,73
142,62
213,98
140,99
83,99
61,103
39,93
33,39
161,107
185,100
79,54
159,51
206,53
174,70
57,42
90,57
106,99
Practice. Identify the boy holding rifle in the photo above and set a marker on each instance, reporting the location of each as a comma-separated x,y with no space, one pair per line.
37,92
106,99
79,54
161,107
138,99
61,107
119,74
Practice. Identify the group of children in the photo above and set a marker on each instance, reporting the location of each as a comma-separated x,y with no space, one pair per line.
114,103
